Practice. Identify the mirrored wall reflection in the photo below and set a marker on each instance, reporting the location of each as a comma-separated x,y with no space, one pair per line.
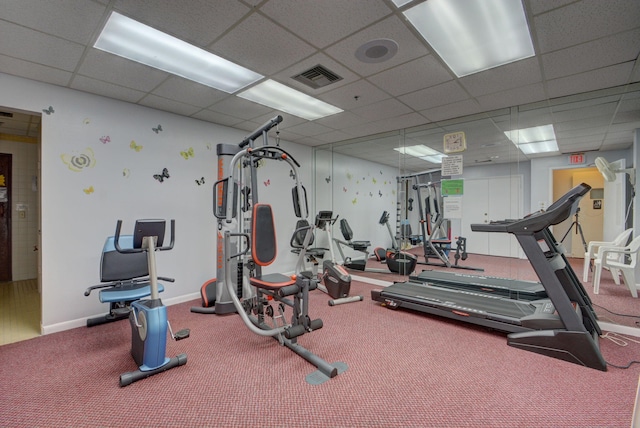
511,162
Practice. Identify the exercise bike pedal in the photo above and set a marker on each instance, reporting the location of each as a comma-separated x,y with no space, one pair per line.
182,334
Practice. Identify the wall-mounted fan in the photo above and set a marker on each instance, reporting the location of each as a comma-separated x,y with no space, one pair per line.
609,171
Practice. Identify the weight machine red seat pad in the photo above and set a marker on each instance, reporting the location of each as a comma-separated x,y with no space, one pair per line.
272,281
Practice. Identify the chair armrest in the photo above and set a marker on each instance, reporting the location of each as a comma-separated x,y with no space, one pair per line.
604,250
594,245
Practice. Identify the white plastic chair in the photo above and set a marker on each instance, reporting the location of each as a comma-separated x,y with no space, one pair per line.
592,250
624,260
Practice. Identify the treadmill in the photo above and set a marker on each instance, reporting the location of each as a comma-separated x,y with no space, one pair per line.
562,326
504,287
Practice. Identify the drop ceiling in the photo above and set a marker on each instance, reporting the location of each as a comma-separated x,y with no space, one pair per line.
584,78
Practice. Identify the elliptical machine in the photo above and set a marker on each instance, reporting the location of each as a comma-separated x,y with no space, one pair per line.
148,317
336,281
397,261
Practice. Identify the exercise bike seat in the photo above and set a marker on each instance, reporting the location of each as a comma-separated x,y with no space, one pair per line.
125,275
297,241
347,233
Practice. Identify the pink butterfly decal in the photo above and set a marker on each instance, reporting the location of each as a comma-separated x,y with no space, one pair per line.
268,182
344,189
105,139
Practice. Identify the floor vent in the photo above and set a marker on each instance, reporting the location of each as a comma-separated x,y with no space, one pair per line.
317,77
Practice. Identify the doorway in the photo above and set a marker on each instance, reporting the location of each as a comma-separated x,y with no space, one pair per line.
5,216
20,292
587,225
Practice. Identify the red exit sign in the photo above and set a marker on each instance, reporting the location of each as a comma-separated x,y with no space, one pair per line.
577,159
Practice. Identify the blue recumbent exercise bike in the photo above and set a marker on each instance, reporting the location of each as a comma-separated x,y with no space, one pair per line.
126,260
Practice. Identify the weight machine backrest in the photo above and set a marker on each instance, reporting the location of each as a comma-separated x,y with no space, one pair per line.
263,235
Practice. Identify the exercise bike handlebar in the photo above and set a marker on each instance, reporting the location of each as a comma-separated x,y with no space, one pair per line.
140,250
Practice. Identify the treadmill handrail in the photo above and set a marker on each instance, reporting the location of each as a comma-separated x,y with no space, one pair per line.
556,213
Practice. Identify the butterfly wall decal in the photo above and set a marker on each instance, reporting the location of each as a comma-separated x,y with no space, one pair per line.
200,182
328,179
186,154
88,190
158,129
105,139
161,177
134,146
268,182
49,110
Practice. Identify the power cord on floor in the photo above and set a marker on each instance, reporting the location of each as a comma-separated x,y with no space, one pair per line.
620,340
615,313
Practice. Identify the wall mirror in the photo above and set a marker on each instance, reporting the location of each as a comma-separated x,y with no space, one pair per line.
359,178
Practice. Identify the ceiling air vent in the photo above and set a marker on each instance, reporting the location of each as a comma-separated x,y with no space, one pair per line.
317,77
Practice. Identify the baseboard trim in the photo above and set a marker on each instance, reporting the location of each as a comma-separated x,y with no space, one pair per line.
82,322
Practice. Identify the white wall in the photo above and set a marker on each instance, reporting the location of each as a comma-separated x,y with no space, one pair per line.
80,208
359,191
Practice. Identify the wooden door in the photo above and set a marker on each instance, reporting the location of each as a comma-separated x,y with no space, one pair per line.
5,217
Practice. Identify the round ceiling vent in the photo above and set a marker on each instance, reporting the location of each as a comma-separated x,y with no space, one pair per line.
379,50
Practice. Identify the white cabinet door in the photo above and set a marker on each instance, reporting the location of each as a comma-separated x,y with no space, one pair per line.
475,209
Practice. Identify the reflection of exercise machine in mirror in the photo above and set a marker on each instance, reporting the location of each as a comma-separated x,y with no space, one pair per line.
434,227
336,281
246,244
397,261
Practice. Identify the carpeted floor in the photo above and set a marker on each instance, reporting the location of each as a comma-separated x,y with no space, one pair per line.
404,369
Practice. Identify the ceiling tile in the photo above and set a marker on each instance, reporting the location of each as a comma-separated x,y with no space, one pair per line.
597,79
247,45
599,53
166,104
241,108
30,70
409,47
106,89
353,95
339,18
54,17
512,97
39,48
203,22
188,92
110,68
520,73
411,76
434,96
382,110
574,23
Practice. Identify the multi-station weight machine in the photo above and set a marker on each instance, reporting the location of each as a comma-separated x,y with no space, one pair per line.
434,227
246,243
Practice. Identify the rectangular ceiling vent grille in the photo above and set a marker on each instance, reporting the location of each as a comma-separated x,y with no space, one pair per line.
317,77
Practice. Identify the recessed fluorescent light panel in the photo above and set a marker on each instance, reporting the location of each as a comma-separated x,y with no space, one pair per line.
423,152
539,139
280,97
130,39
472,36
